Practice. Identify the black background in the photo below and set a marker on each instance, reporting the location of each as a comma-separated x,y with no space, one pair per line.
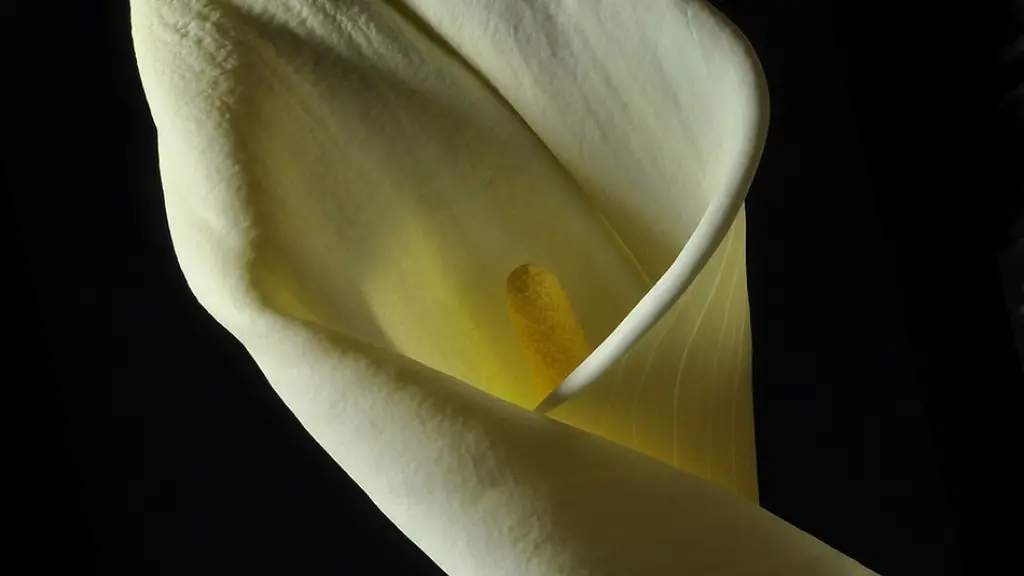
887,383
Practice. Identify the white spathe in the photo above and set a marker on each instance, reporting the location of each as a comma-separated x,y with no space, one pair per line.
348,185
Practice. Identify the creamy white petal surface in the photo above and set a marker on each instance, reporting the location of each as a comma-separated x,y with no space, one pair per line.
348,186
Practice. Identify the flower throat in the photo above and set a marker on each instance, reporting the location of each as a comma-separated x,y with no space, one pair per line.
547,328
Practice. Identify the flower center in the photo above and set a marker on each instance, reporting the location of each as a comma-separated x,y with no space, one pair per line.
549,333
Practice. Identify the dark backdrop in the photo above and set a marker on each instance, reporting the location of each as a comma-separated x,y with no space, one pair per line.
887,382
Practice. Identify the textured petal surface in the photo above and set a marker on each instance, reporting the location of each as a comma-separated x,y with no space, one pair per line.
653,112
349,184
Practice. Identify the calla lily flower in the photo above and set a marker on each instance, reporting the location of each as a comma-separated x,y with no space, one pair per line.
422,217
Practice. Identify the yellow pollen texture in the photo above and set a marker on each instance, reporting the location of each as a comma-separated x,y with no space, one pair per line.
547,328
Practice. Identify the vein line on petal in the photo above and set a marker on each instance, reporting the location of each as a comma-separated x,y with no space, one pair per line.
686,352
716,364
740,349
647,369
614,385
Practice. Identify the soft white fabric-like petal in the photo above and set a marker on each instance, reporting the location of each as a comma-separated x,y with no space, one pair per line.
348,184
654,111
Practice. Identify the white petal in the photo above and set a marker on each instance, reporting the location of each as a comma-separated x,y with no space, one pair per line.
343,195
388,192
655,111
654,107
